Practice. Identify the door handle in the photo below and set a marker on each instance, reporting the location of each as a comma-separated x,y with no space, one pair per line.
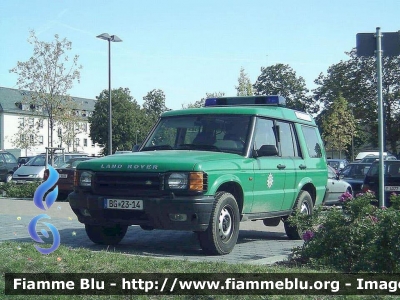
280,167
303,167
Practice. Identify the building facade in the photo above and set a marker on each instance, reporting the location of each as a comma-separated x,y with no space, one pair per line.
25,130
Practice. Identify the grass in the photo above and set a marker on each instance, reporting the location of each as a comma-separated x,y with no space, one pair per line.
19,257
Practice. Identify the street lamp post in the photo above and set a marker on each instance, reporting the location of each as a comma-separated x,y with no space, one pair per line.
112,38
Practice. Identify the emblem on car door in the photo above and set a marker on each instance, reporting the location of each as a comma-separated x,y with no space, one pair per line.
270,180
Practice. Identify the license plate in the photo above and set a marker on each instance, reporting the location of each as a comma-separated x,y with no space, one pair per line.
392,188
21,181
63,175
123,204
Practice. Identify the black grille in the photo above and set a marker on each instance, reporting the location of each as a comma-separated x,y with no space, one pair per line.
128,184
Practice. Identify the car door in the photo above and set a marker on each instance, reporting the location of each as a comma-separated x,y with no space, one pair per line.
333,189
269,170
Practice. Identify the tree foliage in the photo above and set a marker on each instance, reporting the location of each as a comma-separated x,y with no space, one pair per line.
200,103
48,75
245,88
338,126
154,104
356,80
281,79
126,120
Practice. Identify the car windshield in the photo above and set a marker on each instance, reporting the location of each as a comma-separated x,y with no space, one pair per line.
36,161
72,163
225,133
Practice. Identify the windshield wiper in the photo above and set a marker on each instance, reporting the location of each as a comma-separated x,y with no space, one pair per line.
198,147
158,147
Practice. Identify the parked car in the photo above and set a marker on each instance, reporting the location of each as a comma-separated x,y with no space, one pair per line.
337,164
392,179
23,160
65,181
8,164
372,157
354,173
33,170
335,188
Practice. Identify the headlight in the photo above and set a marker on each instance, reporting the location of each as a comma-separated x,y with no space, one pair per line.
193,181
178,181
85,179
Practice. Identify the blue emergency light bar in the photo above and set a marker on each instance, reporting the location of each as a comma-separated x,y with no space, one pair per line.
248,100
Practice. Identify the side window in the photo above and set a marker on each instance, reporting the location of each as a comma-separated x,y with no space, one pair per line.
287,139
1,159
314,147
9,158
264,134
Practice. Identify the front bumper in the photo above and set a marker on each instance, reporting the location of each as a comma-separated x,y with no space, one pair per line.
156,211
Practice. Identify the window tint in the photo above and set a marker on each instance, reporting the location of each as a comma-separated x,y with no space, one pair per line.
287,139
314,147
10,158
264,134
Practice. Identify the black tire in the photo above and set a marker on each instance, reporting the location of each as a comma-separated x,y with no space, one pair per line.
106,235
303,203
223,231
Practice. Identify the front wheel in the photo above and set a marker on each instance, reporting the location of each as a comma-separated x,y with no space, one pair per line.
303,203
223,230
106,235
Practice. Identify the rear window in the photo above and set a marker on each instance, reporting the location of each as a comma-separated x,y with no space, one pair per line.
391,170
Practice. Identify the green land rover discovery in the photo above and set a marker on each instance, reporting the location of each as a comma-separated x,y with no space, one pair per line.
206,170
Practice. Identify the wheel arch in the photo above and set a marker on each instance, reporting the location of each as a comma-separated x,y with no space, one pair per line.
235,189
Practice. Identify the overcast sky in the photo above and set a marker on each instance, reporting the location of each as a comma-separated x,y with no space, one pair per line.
190,48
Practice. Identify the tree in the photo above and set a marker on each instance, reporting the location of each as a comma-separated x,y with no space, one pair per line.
355,79
280,79
244,88
48,78
338,125
127,118
154,105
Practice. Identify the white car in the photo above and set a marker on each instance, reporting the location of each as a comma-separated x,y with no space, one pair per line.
335,188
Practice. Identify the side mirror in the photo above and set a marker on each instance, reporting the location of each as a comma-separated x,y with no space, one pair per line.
267,150
135,148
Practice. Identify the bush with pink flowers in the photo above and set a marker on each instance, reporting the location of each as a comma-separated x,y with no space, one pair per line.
359,236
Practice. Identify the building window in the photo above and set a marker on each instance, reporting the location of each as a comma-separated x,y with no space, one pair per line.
93,144
84,142
77,141
59,132
22,138
40,123
40,138
31,122
32,139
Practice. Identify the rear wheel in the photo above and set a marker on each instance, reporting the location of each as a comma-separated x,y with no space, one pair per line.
106,235
223,231
304,203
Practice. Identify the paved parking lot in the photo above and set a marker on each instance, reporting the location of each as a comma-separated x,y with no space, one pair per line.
257,243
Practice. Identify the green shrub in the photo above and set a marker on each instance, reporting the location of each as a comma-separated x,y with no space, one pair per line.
10,189
358,237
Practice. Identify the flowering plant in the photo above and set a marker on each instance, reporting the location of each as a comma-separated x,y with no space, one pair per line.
357,236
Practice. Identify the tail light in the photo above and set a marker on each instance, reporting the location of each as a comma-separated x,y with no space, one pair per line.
365,188
46,174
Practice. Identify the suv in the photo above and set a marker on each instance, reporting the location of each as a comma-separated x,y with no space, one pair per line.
8,164
392,179
205,170
370,158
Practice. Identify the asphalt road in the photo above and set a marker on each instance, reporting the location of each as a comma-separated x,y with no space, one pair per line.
257,244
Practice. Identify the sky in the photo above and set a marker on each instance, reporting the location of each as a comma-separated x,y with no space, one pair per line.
190,48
